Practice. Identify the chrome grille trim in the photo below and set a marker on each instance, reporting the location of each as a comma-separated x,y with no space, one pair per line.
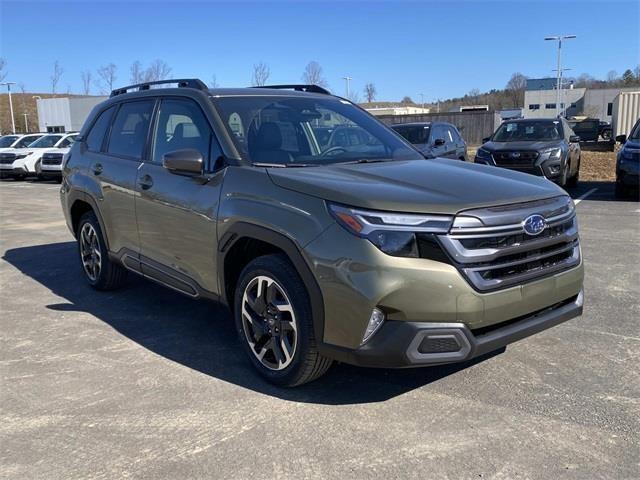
500,253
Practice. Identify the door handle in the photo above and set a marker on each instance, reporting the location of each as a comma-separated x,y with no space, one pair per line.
145,182
97,169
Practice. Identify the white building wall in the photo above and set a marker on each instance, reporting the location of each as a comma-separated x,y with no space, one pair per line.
53,112
67,112
547,97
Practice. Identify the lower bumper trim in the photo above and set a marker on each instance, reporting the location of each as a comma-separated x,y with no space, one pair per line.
402,344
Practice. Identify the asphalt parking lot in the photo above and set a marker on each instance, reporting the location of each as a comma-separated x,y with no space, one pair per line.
144,382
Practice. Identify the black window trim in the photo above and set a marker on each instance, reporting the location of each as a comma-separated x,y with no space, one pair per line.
93,124
209,162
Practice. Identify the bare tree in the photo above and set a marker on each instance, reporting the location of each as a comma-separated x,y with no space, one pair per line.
137,72
612,76
313,75
636,72
213,83
261,73
3,72
158,70
516,87
107,77
86,82
406,100
474,95
55,76
370,92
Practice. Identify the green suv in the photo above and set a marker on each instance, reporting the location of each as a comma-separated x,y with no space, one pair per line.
365,253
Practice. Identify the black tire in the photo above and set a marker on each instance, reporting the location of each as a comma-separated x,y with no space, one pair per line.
562,181
620,190
306,363
572,182
110,275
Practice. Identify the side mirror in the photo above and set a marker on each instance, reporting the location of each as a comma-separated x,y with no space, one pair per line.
486,139
184,162
621,138
438,142
574,139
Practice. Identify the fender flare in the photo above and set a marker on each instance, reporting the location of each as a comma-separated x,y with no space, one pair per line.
242,230
74,196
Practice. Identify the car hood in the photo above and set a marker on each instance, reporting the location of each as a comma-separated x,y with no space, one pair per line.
539,145
429,186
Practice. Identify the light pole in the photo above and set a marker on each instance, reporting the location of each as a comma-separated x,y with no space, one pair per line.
26,122
13,122
559,39
347,80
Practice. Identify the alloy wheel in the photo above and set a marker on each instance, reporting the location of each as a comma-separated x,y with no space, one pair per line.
90,253
269,323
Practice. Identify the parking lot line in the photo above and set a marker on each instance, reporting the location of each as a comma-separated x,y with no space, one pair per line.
584,195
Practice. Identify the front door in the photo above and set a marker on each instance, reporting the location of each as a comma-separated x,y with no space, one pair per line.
177,213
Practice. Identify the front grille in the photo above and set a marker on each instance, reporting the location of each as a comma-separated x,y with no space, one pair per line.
515,158
7,158
52,159
492,250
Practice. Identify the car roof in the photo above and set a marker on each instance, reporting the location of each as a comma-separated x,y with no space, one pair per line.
522,120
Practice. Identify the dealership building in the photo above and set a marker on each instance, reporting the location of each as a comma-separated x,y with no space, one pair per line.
65,114
540,100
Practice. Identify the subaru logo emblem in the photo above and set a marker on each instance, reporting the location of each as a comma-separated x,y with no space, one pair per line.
534,224
515,154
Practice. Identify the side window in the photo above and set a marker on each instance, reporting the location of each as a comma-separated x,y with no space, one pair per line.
181,125
449,138
457,138
130,128
97,132
438,133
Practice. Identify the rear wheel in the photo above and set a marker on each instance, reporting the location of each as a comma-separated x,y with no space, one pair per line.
274,321
620,191
99,270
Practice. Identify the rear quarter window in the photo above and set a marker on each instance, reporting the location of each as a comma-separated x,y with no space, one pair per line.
99,129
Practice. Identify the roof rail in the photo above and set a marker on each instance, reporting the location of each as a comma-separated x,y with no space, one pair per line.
299,88
183,83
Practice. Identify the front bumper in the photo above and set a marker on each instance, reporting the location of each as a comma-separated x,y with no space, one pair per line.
413,344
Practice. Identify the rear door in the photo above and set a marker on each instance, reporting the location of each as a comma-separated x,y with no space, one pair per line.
114,160
177,213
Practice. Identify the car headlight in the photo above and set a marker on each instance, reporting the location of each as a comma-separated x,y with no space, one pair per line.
626,155
551,154
483,154
393,233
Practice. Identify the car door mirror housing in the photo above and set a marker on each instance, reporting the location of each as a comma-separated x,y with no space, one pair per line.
574,139
184,162
621,138
486,139
438,142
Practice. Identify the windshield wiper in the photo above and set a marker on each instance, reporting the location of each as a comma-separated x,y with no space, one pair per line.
283,165
366,160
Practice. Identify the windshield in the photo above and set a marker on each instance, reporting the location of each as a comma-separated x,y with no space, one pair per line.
415,134
47,141
26,141
305,131
634,136
7,140
538,130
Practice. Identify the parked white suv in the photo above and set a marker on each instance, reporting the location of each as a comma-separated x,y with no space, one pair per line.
52,162
18,140
23,162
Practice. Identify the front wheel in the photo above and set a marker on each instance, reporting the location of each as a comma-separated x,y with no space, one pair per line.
573,180
274,321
